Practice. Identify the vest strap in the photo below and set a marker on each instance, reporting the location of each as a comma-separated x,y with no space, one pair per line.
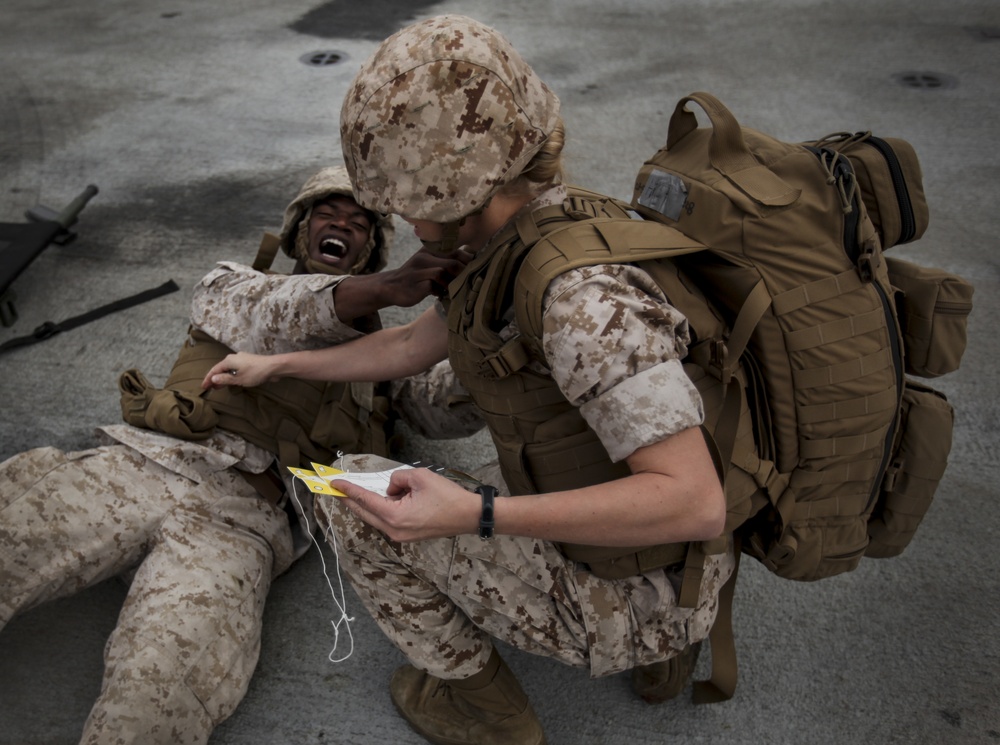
267,483
269,245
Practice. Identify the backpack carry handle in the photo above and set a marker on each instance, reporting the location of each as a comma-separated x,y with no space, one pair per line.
728,152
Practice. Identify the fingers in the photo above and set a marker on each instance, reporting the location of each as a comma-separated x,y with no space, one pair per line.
405,481
362,502
350,489
420,505
426,273
222,374
449,265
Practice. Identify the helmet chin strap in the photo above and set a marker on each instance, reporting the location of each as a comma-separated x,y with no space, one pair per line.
449,239
311,266
449,234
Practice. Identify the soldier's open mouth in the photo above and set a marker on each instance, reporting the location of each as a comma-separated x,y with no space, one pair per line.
333,247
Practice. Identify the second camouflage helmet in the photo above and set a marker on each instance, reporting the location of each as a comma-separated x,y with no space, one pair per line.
441,116
295,228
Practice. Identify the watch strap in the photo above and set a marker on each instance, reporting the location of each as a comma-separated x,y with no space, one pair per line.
486,519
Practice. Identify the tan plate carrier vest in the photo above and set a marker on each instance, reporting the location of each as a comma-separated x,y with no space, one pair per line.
298,420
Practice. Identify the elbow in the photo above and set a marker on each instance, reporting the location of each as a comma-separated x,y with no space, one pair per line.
709,520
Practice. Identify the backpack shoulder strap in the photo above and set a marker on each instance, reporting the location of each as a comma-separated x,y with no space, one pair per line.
602,240
269,245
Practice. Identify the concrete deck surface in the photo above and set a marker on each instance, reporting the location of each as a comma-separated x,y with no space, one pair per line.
198,121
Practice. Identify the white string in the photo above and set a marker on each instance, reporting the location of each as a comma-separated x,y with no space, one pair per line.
341,601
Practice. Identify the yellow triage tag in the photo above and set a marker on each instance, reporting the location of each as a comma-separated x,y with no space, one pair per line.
327,472
318,481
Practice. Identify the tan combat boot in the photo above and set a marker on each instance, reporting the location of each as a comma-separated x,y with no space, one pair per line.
665,680
490,708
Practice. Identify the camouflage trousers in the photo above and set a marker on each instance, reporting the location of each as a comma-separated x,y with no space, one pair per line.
442,601
188,637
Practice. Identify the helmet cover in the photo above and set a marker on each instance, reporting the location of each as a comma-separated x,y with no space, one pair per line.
443,114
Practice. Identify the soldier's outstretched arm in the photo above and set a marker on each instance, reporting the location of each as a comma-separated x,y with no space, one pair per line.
384,355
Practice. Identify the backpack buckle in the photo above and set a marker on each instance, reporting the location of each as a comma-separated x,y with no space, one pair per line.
868,260
866,266
718,355
889,479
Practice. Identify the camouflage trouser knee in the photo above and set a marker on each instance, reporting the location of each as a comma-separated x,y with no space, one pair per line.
441,601
188,637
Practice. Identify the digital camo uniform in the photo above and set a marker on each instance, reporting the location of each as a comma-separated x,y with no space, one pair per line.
207,546
441,116
447,597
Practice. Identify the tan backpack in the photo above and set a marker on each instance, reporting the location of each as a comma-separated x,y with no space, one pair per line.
803,326
825,322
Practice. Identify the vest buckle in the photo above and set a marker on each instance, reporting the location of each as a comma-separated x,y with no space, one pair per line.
507,360
580,209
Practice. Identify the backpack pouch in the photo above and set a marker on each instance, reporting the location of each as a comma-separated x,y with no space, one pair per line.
888,173
933,312
917,466
890,180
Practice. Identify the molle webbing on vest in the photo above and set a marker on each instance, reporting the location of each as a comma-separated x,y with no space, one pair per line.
297,420
542,440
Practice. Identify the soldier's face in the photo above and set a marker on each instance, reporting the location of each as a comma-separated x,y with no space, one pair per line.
338,231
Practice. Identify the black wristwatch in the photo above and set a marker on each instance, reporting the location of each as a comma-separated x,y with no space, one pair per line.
486,522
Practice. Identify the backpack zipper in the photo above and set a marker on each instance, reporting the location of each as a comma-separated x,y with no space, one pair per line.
952,308
908,223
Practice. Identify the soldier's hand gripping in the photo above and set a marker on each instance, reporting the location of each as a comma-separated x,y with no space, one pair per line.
425,273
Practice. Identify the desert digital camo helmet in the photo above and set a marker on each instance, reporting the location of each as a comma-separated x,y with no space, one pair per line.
441,116
295,228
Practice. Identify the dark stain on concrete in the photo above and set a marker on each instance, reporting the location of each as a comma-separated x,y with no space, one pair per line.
373,20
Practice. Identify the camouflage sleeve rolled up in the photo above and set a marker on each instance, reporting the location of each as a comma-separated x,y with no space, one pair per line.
250,311
614,345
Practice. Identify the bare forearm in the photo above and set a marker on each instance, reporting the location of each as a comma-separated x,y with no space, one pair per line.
648,507
384,355
360,296
629,512
327,364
